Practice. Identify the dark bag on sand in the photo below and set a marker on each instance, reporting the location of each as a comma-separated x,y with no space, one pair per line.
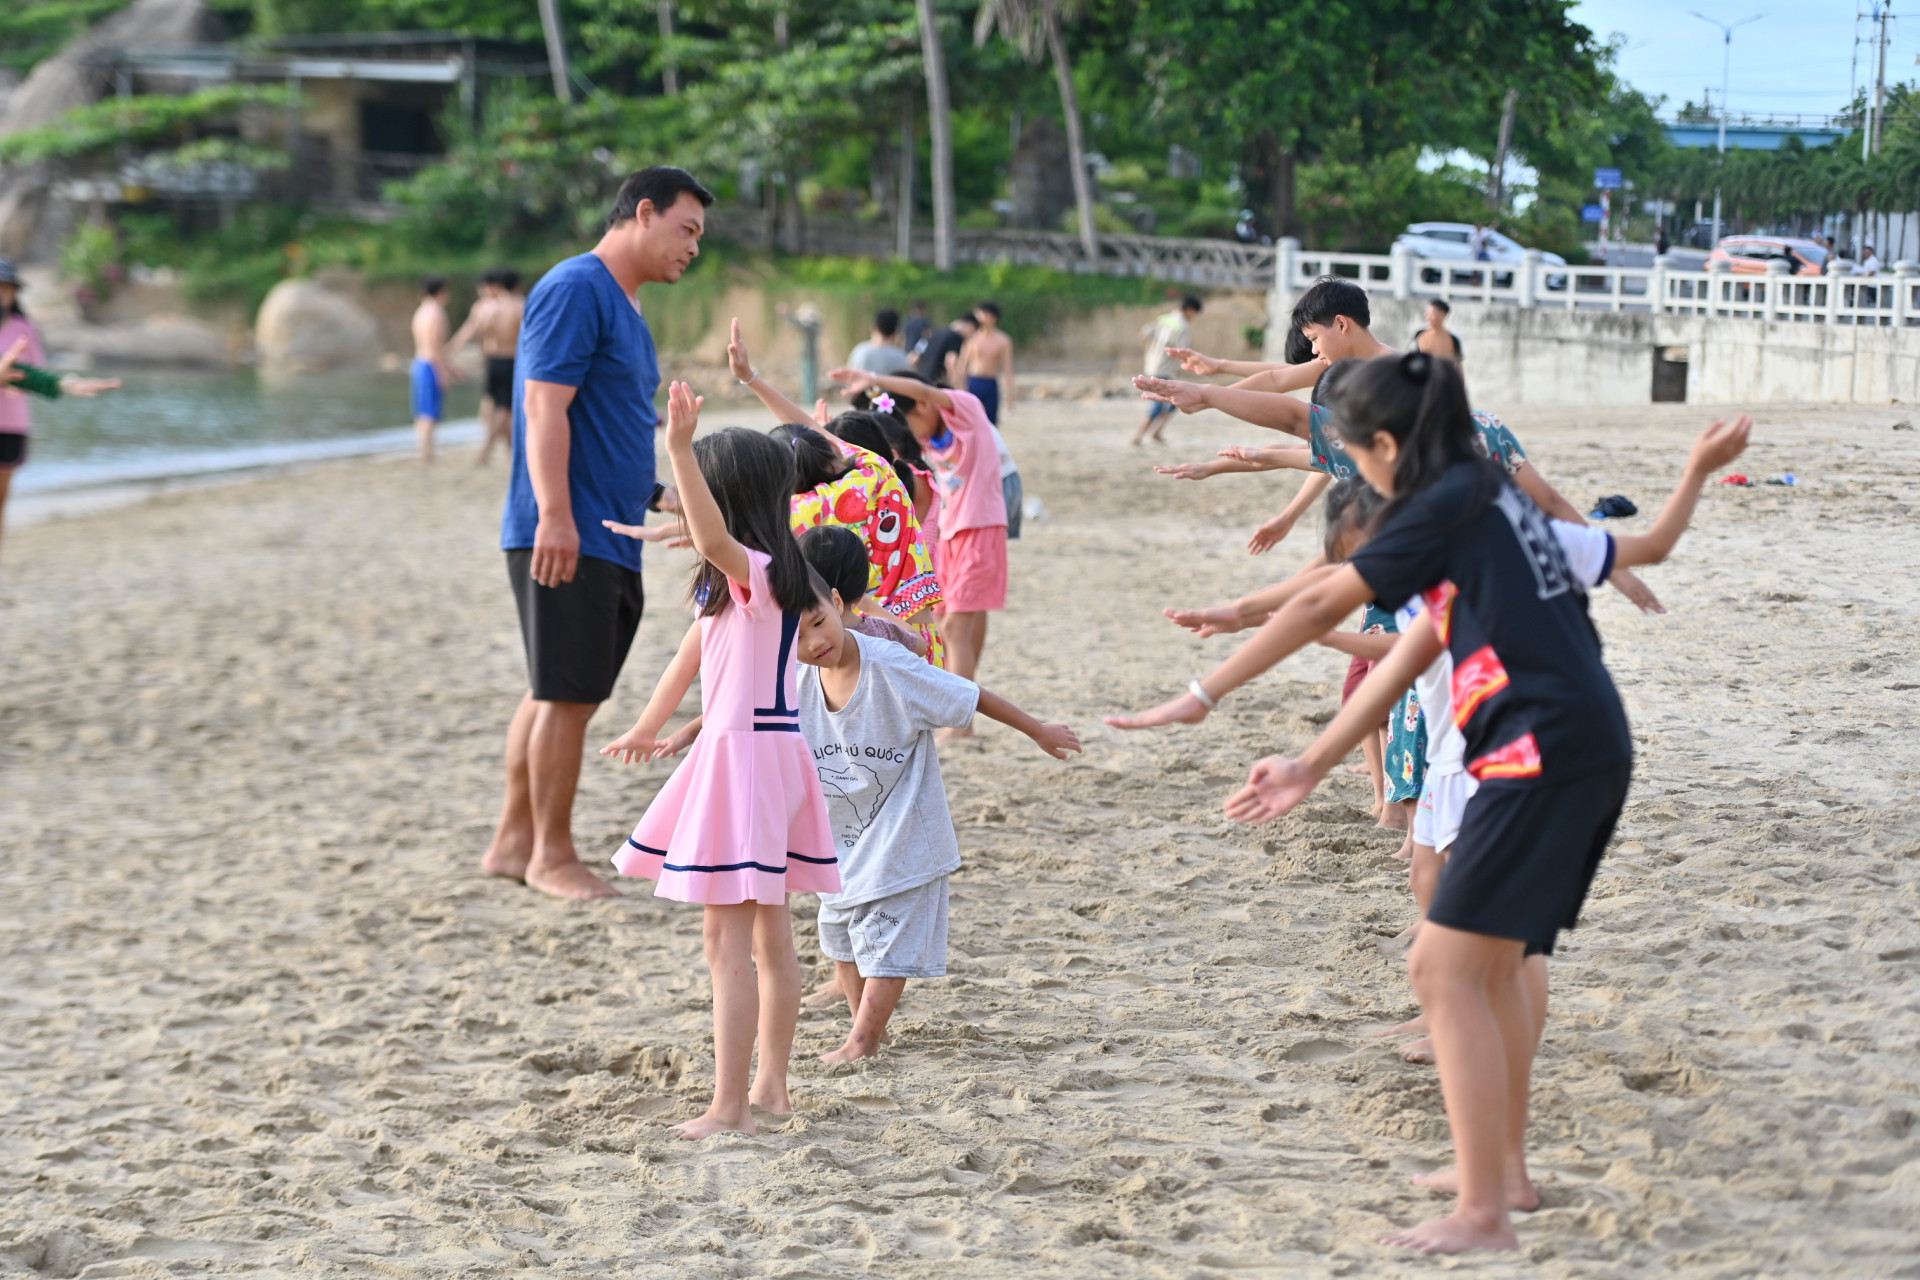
1613,507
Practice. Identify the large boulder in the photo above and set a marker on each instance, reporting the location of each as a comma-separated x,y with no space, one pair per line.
305,327
165,341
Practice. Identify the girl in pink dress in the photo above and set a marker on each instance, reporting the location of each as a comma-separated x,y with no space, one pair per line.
743,821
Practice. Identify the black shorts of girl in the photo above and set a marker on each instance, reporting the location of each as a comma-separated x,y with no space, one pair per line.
1526,856
13,448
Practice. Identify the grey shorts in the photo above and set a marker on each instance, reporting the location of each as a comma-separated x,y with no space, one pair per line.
1016,495
903,936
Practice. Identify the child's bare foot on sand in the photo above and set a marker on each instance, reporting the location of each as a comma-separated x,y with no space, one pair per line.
1393,817
772,1099
1405,852
709,1124
569,880
826,997
943,736
1455,1233
853,1050
1420,1050
504,858
1360,769
1414,1026
1521,1194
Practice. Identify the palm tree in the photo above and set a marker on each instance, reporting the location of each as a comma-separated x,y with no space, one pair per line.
1033,25
940,126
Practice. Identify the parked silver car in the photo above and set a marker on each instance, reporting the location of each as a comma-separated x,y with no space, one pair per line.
1450,240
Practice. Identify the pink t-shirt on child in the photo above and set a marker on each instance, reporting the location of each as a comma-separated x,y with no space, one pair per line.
966,468
15,417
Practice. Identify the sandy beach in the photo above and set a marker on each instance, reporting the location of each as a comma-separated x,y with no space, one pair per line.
262,1016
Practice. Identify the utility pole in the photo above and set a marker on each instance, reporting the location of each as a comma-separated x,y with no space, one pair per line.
1880,83
1726,67
556,49
1496,189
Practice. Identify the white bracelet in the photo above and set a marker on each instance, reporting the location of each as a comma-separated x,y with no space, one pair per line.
1199,691
747,382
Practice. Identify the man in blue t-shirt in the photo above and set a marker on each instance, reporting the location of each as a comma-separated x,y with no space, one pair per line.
583,420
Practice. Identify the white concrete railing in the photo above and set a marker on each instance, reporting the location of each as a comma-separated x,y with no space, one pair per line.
1870,300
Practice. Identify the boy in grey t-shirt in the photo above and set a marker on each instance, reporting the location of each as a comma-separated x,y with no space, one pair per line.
868,709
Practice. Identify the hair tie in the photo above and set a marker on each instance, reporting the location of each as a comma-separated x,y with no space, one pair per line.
883,402
1417,365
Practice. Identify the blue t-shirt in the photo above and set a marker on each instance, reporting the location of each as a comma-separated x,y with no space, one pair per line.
581,330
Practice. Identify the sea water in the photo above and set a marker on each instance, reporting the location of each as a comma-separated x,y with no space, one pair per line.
172,425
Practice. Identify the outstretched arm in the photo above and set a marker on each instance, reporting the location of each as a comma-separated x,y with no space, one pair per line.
1300,622
1371,645
1261,408
1252,610
1718,445
642,741
1274,531
1054,739
1277,785
1549,500
777,403
858,380
698,510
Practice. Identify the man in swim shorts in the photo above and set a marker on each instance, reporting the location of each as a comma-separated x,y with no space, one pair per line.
429,375
495,321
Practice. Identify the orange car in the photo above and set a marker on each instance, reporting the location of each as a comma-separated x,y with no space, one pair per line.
1749,255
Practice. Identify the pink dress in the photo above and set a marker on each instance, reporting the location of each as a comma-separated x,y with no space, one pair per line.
743,818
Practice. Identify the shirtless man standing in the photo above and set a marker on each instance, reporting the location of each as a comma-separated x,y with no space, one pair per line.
430,374
987,357
495,320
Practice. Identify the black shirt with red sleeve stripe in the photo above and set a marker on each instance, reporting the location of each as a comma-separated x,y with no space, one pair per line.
1530,692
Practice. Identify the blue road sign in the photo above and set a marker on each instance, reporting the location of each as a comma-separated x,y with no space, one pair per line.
1592,213
1606,179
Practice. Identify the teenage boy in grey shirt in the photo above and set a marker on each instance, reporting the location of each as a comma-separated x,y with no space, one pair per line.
868,710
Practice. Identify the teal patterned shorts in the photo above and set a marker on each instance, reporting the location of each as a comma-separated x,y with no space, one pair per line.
1406,763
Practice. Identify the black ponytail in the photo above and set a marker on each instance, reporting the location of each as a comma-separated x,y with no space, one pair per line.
751,478
815,460
1422,403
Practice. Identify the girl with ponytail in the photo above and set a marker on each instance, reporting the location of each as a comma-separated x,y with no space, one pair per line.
1545,737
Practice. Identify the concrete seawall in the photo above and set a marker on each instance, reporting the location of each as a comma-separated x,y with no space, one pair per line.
1544,356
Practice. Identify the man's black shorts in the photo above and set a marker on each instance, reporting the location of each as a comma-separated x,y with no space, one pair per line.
576,634
500,381
1526,855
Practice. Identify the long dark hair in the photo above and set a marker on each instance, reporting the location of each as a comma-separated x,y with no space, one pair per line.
1422,403
815,460
884,435
751,476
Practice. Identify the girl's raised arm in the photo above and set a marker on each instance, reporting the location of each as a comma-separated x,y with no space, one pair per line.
777,403
1277,785
858,380
697,508
1718,445
1250,611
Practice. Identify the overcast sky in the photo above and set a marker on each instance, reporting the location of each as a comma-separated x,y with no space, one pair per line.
1796,59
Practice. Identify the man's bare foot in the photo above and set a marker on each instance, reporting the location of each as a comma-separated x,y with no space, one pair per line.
826,997
1414,1026
1420,1050
1521,1194
943,736
569,880
772,1099
1455,1233
709,1124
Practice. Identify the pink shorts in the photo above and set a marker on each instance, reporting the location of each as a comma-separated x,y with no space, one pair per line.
973,570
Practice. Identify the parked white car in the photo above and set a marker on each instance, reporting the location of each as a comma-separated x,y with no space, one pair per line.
1450,239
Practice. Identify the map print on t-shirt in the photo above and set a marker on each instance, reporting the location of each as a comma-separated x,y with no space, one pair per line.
854,796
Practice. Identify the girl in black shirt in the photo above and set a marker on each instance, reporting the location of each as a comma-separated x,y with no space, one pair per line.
1545,732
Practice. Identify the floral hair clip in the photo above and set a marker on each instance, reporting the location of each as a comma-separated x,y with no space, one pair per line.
883,402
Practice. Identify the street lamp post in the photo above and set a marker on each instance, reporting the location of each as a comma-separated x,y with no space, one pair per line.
1726,65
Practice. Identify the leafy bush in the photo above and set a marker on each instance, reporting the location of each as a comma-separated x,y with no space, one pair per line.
143,118
90,263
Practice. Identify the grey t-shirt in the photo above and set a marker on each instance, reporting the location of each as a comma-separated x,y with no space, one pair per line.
881,772
880,357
